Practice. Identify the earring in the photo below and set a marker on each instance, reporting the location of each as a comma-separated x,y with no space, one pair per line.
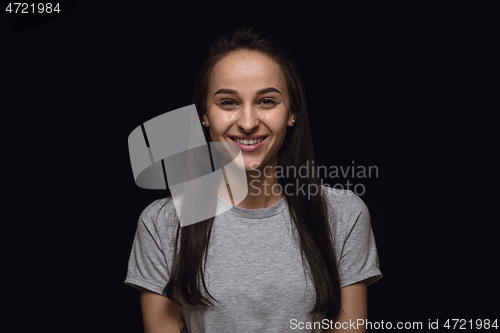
203,123
293,121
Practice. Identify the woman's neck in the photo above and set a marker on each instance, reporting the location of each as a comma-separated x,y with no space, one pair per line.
263,190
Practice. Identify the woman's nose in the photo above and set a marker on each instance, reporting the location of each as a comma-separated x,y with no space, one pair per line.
248,119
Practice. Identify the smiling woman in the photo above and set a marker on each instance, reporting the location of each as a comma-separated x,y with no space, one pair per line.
274,257
250,107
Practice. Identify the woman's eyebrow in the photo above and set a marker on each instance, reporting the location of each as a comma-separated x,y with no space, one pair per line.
226,91
267,90
234,92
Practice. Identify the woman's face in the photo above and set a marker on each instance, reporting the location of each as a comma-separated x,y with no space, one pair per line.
248,100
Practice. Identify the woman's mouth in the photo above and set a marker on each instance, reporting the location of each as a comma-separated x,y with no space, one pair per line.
249,145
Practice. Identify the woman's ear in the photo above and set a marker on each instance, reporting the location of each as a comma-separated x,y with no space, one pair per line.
205,120
291,120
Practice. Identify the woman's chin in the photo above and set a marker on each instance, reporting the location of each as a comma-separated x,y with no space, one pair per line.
252,166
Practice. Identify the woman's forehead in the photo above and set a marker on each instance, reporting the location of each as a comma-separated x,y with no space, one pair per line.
247,70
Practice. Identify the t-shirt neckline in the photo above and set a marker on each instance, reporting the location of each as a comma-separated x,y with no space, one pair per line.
260,213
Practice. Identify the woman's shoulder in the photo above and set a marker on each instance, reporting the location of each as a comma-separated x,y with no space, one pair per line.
344,205
343,199
159,214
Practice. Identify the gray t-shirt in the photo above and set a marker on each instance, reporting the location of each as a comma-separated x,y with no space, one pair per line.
254,267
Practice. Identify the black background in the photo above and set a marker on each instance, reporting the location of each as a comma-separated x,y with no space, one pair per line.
392,86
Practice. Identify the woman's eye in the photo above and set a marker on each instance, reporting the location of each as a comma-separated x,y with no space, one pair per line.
227,103
268,102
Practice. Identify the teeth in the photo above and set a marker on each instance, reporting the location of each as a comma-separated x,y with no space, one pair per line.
249,142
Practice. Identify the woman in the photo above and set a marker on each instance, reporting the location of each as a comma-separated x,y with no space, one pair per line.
284,258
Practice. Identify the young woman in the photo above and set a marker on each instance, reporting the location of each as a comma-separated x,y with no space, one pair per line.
286,258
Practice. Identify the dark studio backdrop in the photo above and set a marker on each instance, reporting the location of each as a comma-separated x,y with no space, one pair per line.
381,91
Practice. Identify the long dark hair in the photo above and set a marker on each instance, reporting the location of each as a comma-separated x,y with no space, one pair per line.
309,213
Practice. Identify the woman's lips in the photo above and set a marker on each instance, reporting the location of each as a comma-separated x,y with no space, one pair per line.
253,147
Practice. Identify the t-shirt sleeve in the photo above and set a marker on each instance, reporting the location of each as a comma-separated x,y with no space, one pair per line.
358,255
147,266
